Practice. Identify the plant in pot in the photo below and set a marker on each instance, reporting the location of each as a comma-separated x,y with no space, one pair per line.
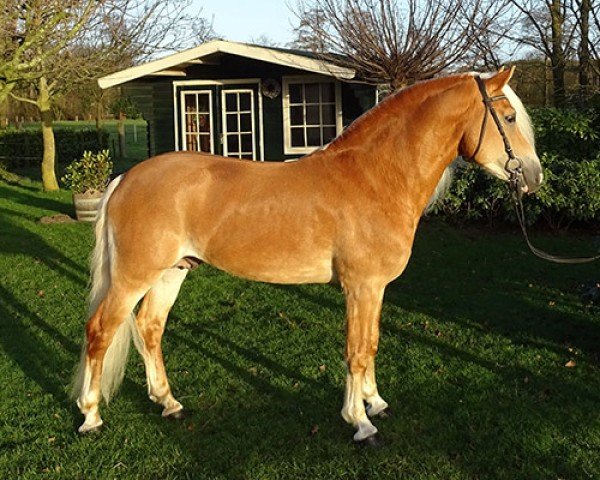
88,177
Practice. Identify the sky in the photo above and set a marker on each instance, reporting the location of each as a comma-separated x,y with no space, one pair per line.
243,20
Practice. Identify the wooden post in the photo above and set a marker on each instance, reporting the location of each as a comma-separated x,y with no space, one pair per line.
121,130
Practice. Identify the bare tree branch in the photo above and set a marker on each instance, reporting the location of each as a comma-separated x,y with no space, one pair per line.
387,41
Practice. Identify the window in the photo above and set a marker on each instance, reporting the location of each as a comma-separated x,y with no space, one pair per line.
312,114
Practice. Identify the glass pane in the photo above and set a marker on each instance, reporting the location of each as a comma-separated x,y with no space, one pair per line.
245,122
312,92
296,93
190,122
191,142
247,143
312,115
313,137
231,102
233,144
327,92
203,123
203,102
298,137
232,122
245,101
205,143
328,134
247,156
328,112
190,102
297,115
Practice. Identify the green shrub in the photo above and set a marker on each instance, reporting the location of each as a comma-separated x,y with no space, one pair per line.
568,143
24,148
91,172
572,133
571,191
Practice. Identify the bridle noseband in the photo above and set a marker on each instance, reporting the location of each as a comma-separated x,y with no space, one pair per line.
514,167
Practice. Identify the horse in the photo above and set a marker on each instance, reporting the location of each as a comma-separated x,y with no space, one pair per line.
345,214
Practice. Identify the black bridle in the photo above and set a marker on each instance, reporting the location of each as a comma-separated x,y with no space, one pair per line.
514,168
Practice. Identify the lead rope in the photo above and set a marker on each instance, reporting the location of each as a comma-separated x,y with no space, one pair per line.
520,211
514,181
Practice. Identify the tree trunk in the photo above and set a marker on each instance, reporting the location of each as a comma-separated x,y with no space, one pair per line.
48,161
99,111
584,50
121,129
5,90
558,56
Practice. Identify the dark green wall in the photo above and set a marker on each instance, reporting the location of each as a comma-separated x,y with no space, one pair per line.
154,98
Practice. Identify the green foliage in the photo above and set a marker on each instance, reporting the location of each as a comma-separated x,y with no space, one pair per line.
124,105
24,148
571,191
568,142
569,132
91,172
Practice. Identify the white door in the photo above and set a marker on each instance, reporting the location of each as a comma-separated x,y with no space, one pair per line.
196,121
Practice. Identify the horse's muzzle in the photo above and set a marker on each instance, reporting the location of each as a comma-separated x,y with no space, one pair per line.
532,175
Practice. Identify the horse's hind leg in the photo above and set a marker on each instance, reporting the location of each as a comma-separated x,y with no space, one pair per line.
98,373
151,321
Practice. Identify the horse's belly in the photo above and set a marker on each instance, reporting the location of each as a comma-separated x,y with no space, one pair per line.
268,264
315,274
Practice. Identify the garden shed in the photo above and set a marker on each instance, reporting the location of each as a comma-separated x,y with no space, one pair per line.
243,100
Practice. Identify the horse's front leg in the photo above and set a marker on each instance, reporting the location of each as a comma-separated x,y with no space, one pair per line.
363,309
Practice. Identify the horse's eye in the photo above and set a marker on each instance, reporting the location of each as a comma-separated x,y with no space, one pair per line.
511,118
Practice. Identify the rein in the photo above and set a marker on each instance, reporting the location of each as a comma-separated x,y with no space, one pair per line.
514,167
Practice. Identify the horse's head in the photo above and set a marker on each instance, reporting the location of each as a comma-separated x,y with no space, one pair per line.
483,140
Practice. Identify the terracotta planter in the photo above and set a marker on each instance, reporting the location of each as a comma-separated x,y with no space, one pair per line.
86,205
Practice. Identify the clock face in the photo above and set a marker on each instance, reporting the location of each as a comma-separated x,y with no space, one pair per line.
271,88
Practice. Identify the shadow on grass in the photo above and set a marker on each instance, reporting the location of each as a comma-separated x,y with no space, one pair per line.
24,338
528,301
21,241
25,195
477,426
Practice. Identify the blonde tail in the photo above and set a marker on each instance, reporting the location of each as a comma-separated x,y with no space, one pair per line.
113,369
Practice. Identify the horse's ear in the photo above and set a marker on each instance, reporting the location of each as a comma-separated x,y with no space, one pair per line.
498,81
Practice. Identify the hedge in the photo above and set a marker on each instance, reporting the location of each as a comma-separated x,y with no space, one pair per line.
24,148
568,143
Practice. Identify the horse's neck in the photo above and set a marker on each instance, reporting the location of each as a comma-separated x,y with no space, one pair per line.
403,146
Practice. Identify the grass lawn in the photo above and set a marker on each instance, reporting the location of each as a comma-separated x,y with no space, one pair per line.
476,335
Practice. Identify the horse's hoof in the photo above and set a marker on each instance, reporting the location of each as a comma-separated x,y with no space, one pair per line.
87,432
176,415
385,413
373,441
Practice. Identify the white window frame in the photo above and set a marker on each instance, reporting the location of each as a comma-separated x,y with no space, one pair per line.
224,112
211,135
285,97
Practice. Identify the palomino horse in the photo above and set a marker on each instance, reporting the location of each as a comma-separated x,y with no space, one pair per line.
346,213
